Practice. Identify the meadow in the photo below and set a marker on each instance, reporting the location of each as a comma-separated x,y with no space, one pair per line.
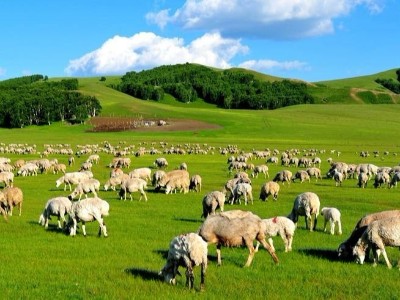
39,263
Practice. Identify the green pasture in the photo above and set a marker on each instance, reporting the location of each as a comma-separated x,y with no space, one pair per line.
39,263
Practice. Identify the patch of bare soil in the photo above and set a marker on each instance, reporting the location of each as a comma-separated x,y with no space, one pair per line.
107,124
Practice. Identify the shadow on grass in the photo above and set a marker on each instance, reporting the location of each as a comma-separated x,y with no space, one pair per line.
188,220
327,254
143,273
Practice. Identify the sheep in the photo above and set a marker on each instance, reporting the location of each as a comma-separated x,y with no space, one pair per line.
29,169
84,187
332,215
195,183
58,206
235,228
72,178
282,226
88,210
116,172
260,169
362,180
306,204
71,160
269,188
382,178
59,168
378,234
112,182
211,202
157,175
186,250
94,159
183,166
176,179
10,197
316,172
132,185
283,176
7,178
394,180
345,249
338,177
242,189
86,166
142,173
302,175
161,162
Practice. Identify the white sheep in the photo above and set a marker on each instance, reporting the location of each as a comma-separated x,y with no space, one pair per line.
58,206
314,172
173,180
382,178
260,169
269,188
338,177
282,226
85,187
161,162
283,176
11,197
7,178
235,228
380,233
142,173
332,215
157,175
88,210
195,183
306,204
186,250
242,189
113,182
211,202
72,178
302,176
363,179
29,169
133,185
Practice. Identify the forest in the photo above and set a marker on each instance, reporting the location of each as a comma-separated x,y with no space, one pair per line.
33,100
233,88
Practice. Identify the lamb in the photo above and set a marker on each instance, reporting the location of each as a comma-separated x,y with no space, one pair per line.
260,169
10,197
195,183
142,173
345,249
306,204
269,188
88,210
332,215
235,228
211,202
302,175
58,206
242,189
72,178
133,185
7,178
85,187
283,176
282,226
186,250
378,234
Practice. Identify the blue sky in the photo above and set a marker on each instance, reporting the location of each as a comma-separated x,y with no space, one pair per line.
311,40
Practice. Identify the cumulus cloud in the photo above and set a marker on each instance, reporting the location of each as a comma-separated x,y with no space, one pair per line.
271,65
146,50
283,19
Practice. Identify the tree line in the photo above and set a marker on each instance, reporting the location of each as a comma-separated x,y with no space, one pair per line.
33,100
391,84
232,88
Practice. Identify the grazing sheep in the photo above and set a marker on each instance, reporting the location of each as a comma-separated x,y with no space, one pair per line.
302,176
282,226
157,175
332,215
72,178
161,162
195,183
235,228
116,172
338,177
283,176
85,187
142,173
113,182
173,180
345,249
382,178
380,233
133,185
183,166
260,169
269,188
59,168
211,202
7,178
88,210
58,206
10,197
86,166
71,160
306,204
362,180
242,189
186,250
29,169
394,180
314,172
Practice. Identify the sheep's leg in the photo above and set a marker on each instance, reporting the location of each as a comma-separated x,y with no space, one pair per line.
250,246
203,276
339,224
332,223
219,254
389,265
189,277
145,196
289,240
84,228
325,223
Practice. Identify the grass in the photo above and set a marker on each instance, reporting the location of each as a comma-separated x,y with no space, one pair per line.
38,262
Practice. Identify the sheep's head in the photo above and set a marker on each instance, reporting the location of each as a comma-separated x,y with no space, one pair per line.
359,251
169,272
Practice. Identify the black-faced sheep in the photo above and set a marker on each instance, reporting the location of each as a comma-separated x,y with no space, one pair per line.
11,197
59,207
88,210
235,228
186,250
306,204
211,202
332,215
269,188
380,233
282,226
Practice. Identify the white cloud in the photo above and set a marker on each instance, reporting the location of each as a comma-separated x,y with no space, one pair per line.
269,65
283,19
146,50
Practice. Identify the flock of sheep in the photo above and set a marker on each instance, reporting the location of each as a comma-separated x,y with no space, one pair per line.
225,228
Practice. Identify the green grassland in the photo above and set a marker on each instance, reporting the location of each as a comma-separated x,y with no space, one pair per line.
39,263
